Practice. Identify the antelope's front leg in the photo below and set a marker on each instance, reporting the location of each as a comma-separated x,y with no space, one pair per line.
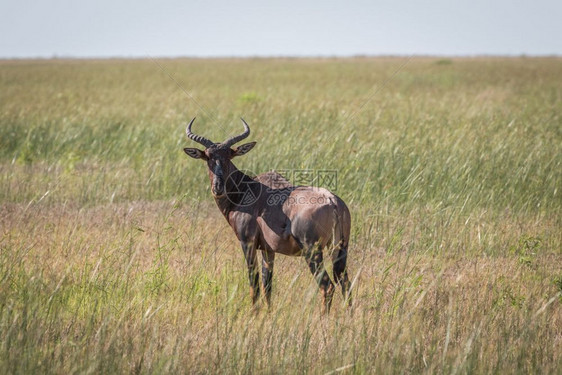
267,274
253,272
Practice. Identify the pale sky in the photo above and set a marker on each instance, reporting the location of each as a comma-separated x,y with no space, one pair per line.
112,28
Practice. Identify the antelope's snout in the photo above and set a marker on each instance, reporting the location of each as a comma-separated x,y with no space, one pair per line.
217,189
217,186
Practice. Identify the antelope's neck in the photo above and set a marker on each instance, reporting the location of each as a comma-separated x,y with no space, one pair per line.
224,205
238,187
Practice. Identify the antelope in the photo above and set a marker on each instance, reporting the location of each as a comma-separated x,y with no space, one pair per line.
270,215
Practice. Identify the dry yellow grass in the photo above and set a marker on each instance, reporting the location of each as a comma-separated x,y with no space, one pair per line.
153,287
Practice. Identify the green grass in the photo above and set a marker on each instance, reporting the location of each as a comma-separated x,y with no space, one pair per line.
113,257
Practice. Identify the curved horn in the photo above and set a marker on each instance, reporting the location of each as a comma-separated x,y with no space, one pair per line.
197,138
232,140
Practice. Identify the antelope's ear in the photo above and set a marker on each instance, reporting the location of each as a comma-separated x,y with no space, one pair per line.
195,153
243,149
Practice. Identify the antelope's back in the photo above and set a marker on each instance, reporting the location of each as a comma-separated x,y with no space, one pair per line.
273,180
315,214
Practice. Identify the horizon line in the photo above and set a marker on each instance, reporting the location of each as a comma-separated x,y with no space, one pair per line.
283,56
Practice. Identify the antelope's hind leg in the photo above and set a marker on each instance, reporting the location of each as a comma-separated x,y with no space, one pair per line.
339,261
314,259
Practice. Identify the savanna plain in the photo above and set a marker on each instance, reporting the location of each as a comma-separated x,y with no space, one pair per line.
115,259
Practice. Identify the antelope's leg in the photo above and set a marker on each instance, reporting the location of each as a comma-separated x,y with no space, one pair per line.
314,258
339,260
268,258
253,272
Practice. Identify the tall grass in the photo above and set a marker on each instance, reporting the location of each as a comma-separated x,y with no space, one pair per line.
114,258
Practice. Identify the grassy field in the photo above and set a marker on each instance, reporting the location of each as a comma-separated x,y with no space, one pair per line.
114,258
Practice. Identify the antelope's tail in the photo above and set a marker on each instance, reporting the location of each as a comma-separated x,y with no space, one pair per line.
338,224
